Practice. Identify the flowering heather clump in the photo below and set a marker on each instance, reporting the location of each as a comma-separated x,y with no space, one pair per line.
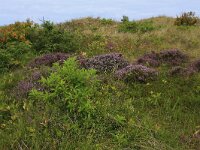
178,70
49,59
151,59
105,63
195,66
136,73
25,86
171,57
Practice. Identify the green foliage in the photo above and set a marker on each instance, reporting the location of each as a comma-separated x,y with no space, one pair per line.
132,26
51,38
76,112
70,90
128,27
13,54
186,19
105,21
125,19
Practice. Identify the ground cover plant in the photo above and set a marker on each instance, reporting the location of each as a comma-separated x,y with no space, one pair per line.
88,84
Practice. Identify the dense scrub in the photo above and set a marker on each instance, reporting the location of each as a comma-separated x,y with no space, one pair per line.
96,83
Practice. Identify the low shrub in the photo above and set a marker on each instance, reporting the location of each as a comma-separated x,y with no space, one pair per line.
14,44
49,59
128,27
133,73
151,59
171,57
132,26
24,87
145,26
186,19
105,63
105,21
178,70
195,65
125,19
51,38
16,32
12,55
69,90
5,60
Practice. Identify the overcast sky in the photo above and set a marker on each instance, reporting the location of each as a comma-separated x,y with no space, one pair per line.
62,10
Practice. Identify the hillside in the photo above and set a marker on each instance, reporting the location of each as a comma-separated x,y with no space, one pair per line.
94,83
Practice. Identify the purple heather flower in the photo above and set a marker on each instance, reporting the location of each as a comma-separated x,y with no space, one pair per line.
105,63
49,59
136,73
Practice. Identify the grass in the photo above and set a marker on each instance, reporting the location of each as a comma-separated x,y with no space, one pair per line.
161,114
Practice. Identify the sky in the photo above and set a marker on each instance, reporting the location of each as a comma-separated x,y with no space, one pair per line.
64,10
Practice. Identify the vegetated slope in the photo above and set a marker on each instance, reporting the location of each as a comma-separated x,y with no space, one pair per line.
144,93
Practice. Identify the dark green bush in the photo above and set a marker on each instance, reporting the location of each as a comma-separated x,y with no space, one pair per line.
128,27
125,19
186,19
51,38
5,60
12,55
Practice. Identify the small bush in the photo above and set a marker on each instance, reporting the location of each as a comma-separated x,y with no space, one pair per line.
14,44
5,60
105,21
49,59
151,59
16,32
195,66
186,19
12,55
179,71
125,19
70,90
24,87
171,57
51,38
105,63
134,73
145,26
128,27
132,26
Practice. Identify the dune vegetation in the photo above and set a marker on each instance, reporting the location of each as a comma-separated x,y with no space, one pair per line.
96,83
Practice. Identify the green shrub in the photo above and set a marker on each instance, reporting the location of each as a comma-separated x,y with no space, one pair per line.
51,38
125,19
69,90
5,60
132,26
13,55
186,19
128,27
145,26
105,21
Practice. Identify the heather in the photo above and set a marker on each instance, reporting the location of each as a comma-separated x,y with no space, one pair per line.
106,62
49,59
172,57
138,73
96,83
